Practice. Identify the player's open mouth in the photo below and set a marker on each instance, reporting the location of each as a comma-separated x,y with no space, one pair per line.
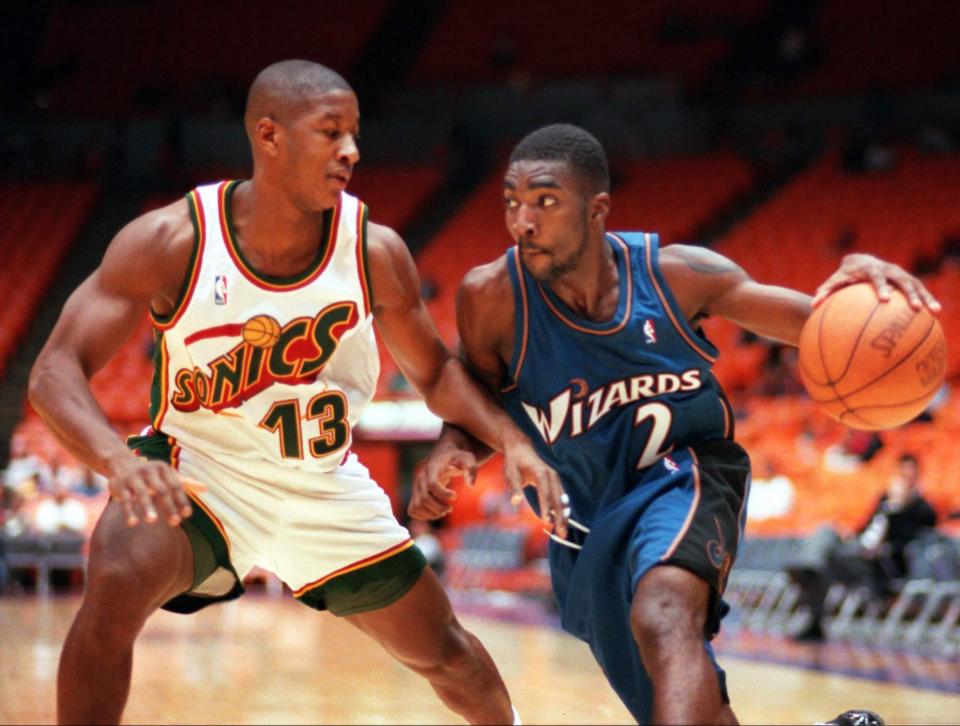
341,179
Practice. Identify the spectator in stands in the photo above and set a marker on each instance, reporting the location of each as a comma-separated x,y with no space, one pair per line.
874,557
91,485
856,449
59,513
24,467
12,515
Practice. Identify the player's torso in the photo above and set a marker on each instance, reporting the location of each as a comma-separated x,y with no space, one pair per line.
267,370
605,400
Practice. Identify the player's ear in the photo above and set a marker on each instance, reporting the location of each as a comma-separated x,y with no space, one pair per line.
600,206
265,135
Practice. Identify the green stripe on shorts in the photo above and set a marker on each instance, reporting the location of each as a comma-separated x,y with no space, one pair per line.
214,578
369,588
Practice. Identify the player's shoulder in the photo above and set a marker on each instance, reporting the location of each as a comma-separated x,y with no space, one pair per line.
161,233
489,280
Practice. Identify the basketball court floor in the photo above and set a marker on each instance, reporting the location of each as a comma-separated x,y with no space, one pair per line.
269,660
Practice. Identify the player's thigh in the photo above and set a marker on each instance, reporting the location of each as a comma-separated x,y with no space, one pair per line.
420,628
138,567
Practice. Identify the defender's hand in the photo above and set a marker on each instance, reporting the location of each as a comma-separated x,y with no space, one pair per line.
432,498
150,489
883,275
522,467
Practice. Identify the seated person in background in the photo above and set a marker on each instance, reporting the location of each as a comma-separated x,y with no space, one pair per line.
874,556
59,513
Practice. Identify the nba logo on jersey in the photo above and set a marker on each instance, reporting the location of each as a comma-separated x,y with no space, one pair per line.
671,465
220,290
649,331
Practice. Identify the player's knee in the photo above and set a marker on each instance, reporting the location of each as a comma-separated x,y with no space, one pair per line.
663,614
453,653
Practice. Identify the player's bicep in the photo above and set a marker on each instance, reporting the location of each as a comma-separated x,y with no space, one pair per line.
477,326
402,318
94,324
768,310
105,309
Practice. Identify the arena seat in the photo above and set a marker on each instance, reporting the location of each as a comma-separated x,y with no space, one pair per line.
509,39
107,57
39,222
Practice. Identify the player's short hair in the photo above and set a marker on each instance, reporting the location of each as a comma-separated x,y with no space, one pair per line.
578,148
284,86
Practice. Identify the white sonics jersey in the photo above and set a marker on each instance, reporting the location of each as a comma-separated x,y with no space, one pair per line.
253,369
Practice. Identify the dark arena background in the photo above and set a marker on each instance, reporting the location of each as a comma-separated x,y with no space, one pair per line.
783,134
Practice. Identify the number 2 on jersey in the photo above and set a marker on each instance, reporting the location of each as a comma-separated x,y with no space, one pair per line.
661,418
328,409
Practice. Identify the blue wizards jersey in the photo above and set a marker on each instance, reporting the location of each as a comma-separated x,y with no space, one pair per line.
605,401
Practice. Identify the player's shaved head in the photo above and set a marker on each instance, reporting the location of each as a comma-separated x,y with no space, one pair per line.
281,90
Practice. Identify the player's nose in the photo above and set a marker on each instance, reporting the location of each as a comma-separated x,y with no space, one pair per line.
524,223
349,151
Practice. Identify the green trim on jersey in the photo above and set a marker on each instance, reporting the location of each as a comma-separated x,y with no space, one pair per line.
191,268
364,257
369,588
156,385
325,242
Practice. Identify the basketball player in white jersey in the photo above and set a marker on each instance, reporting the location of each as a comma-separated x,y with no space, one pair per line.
263,294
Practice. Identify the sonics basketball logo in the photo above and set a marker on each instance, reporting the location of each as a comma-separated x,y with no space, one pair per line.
268,353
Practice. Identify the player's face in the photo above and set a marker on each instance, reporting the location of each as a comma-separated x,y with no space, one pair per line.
318,149
546,214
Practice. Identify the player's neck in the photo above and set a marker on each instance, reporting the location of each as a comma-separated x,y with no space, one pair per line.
275,236
592,288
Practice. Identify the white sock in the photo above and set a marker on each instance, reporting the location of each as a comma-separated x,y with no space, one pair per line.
516,716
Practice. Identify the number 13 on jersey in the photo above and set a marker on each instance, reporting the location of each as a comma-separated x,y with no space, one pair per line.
325,413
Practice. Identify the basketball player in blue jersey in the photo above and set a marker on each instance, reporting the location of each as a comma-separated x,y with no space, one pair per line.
591,340
263,294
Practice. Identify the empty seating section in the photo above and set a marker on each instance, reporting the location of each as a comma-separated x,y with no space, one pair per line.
38,222
395,194
109,57
676,196
863,46
575,39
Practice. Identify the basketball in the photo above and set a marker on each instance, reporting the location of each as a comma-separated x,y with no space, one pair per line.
871,365
261,331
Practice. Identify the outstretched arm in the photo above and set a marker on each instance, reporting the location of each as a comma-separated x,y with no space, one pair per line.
706,283
449,390
140,267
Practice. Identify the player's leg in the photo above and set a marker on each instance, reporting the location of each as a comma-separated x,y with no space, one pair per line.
131,572
421,631
680,553
668,617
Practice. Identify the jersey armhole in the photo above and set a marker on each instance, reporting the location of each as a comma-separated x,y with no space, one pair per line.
363,262
700,345
165,322
521,321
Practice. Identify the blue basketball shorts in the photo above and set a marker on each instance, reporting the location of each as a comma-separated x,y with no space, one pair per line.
687,510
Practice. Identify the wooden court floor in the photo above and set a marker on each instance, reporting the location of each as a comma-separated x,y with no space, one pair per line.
270,660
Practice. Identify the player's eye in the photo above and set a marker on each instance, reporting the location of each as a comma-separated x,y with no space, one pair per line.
548,201
511,203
